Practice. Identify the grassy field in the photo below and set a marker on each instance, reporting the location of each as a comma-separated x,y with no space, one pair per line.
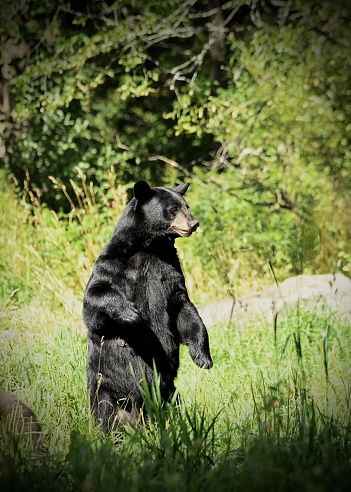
273,412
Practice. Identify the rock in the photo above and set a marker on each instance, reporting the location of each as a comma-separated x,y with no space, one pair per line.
18,419
320,290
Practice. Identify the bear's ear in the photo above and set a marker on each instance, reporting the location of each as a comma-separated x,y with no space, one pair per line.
142,191
181,189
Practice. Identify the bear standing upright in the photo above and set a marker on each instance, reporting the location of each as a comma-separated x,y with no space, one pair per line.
136,307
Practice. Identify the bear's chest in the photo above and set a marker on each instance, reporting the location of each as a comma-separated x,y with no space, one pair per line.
153,284
153,273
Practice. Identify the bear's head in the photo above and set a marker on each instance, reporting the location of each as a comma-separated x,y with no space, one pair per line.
164,210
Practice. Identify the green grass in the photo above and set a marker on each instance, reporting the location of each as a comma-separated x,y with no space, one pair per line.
273,412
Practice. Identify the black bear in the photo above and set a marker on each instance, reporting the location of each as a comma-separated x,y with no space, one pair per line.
136,307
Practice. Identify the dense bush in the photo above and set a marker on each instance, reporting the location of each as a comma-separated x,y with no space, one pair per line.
250,99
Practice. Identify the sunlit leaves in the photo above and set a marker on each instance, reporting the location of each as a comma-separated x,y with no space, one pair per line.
120,83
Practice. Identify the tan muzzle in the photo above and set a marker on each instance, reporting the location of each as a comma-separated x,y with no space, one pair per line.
184,223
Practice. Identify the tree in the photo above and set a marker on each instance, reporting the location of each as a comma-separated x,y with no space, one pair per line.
251,98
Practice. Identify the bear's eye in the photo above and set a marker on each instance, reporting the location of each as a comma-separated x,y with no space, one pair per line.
173,210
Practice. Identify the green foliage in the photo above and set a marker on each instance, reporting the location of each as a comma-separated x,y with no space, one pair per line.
40,247
236,238
250,100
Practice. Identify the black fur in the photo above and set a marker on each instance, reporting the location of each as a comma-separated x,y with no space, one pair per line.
136,306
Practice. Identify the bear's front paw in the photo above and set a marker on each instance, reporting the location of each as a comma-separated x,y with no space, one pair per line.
203,360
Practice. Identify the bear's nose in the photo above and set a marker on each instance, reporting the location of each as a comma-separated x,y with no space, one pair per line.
194,225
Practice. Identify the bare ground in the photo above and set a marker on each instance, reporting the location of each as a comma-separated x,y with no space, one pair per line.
329,290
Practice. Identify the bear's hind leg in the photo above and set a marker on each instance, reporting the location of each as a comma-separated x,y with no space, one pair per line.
103,409
109,415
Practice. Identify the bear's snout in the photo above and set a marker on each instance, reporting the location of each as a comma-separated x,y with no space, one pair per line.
194,225
184,223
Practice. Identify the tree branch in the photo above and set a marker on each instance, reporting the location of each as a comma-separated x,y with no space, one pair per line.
281,198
